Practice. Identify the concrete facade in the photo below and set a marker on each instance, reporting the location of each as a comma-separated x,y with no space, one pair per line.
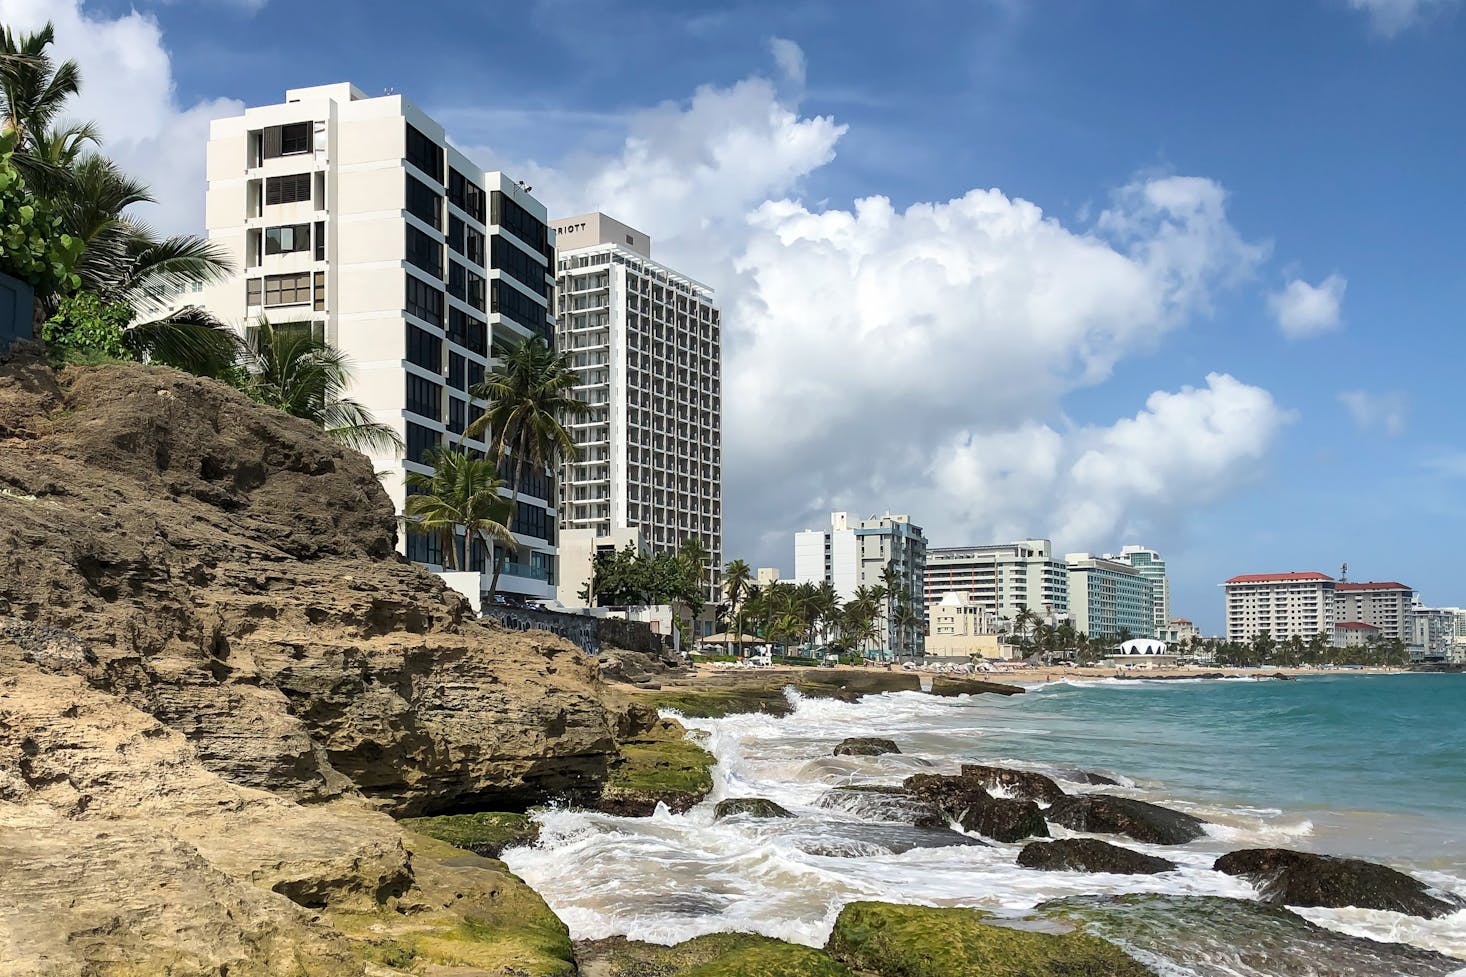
853,554
960,625
1108,597
1153,568
1003,577
1384,604
1279,604
646,344
353,217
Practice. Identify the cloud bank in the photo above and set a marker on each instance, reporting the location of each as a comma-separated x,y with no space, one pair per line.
1389,17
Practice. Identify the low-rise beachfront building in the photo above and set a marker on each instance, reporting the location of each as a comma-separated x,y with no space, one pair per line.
1354,634
1179,630
853,554
1143,653
1385,604
1282,605
1108,598
960,625
767,577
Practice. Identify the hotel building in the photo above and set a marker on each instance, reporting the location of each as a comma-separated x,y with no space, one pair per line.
352,217
646,344
1108,597
1153,568
1384,605
1001,577
1280,604
856,554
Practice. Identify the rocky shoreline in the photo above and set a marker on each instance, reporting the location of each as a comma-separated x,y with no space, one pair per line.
241,737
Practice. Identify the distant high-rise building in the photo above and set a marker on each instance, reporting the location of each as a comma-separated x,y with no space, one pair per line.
1384,604
1153,568
851,554
646,343
1003,577
354,219
1280,605
1108,597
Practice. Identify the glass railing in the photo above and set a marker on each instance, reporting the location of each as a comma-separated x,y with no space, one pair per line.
526,571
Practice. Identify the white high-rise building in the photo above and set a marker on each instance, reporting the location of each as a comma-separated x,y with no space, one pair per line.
1153,568
353,218
646,343
1280,605
1003,577
867,553
1385,605
1109,597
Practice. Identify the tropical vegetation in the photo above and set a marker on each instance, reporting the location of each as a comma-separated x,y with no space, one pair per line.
461,492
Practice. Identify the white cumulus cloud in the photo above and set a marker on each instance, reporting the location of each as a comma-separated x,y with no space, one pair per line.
1390,17
127,88
1305,310
1386,412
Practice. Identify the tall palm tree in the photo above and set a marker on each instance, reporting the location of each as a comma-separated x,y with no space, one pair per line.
462,492
33,88
290,370
737,579
891,580
908,619
531,397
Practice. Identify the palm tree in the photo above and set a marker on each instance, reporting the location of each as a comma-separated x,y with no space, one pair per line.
531,398
33,88
908,619
291,370
1022,622
737,578
462,492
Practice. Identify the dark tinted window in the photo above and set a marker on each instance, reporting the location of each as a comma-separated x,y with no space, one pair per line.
424,349
419,440
424,203
531,520
468,331
424,397
466,195
520,266
424,301
514,305
457,415
456,372
287,239
425,154
521,223
424,252
291,189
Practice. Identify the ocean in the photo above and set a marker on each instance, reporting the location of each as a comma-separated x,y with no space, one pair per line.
1371,766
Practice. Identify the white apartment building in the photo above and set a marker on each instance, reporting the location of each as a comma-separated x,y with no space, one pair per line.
1003,577
1432,635
857,554
1109,598
352,217
1384,604
1279,604
1153,568
646,343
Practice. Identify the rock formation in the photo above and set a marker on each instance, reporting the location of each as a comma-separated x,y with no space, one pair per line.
1090,855
1023,784
1108,814
1295,878
866,746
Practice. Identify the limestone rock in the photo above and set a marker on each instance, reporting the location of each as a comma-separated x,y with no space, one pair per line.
1293,878
1108,814
1090,855
866,746
753,807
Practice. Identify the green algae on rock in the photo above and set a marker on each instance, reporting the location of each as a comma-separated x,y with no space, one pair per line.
753,807
661,765
918,941
485,833
715,955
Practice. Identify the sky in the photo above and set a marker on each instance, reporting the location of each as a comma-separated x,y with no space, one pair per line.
1185,275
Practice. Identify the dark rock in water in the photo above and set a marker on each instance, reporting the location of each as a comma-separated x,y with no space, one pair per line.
1281,677
922,941
1292,878
1090,855
878,803
1005,819
846,840
866,746
1077,776
1213,937
1023,784
950,795
951,686
754,807
1108,814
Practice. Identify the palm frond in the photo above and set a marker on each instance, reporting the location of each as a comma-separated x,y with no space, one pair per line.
188,339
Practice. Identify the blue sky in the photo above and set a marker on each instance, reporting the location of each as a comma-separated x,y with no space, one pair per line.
1320,138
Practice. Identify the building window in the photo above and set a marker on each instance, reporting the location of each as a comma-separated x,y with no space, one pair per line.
320,240
468,332
424,252
320,305
286,140
424,301
253,291
292,189
456,372
287,289
424,203
425,154
287,239
521,223
464,194
475,374
424,349
515,306
420,440
457,415
425,548
424,397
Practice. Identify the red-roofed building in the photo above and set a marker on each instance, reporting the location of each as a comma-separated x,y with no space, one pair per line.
1354,634
1280,604
1385,604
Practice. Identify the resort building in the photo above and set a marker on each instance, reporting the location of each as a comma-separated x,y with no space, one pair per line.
1354,634
1385,605
1279,604
1433,635
1179,631
1002,577
353,218
960,625
1109,598
1153,568
854,554
646,344
767,576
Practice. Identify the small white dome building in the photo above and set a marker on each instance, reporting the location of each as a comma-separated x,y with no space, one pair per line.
1142,653
1142,646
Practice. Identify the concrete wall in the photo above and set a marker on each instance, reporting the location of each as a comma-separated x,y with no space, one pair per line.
586,633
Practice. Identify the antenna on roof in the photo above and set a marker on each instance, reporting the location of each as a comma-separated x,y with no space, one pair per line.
389,91
1344,573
